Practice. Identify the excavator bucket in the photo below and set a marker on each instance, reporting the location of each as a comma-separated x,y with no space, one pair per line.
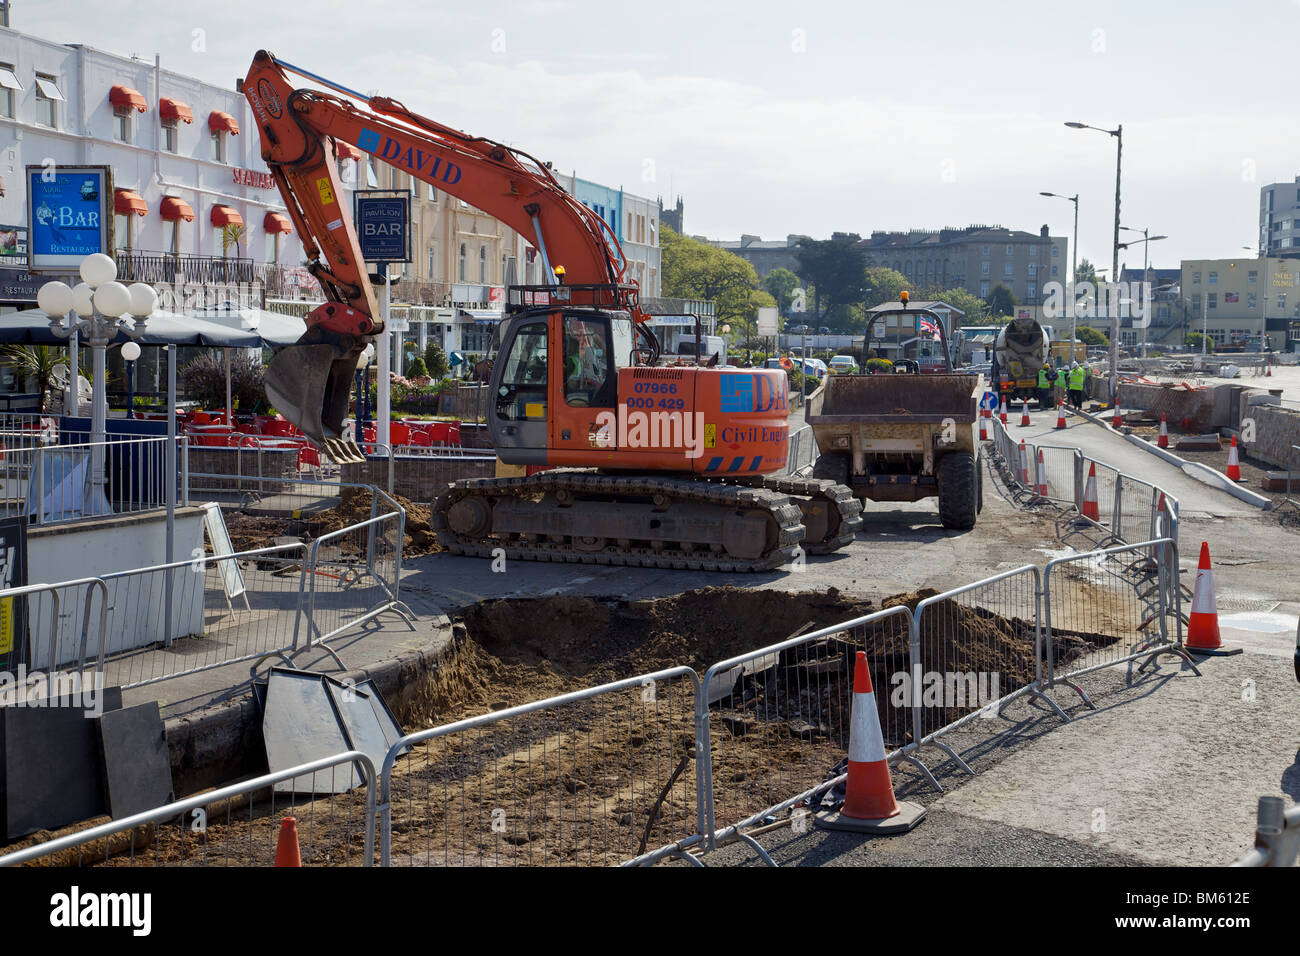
309,384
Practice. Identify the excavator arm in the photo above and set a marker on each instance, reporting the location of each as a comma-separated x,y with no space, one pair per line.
310,382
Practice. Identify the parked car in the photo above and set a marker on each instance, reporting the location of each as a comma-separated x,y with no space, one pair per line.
798,330
844,365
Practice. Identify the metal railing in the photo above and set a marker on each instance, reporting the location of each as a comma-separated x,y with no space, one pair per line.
593,777
238,825
802,451
1277,835
55,484
178,269
50,640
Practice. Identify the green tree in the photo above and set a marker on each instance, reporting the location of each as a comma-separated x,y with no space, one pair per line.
697,270
1194,339
36,362
836,270
885,285
1087,272
1090,336
1001,300
435,359
780,285
415,367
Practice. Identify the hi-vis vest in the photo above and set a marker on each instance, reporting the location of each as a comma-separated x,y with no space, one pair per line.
1076,379
1043,380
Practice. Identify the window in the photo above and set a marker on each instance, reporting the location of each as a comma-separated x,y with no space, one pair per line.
1196,278
984,250
1053,268
482,264
1008,268
984,289
1214,278
372,181
1281,301
586,362
47,99
1011,251
628,236
1033,252
1033,269
122,231
8,86
273,248
170,135
523,381
461,270
172,236
1252,301
1055,252
122,123
218,145
433,193
433,258
1212,300
1252,276
652,232
984,268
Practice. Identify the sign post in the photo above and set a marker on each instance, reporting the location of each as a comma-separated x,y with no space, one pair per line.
383,220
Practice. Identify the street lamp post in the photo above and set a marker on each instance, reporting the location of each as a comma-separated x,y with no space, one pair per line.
1074,264
1146,241
95,309
1118,133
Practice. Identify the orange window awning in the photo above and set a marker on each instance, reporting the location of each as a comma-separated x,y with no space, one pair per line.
173,208
220,122
126,202
225,216
126,97
346,150
276,222
171,109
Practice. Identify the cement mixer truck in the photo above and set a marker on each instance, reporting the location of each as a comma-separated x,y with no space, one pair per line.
1022,348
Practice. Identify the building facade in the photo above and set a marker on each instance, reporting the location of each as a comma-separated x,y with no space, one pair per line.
193,201
1279,219
1239,301
764,255
976,259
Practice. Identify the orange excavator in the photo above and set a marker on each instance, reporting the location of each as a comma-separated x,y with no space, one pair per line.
666,467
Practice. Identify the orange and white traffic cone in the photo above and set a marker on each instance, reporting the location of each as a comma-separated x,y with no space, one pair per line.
1040,479
1002,412
1022,472
1163,440
1234,463
286,847
984,434
869,804
1024,413
1203,622
1090,508
1060,415
1117,420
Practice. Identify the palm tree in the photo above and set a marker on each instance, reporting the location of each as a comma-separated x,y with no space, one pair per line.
38,362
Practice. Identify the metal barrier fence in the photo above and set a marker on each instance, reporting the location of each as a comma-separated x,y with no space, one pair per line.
1112,606
223,610
973,650
42,626
1061,467
594,777
1277,835
237,825
802,451
55,484
773,721
1134,512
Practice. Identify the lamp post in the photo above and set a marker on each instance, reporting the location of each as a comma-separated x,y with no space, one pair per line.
1118,133
95,309
1146,240
1074,263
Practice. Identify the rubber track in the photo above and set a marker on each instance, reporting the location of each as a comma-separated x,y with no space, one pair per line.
593,484
837,496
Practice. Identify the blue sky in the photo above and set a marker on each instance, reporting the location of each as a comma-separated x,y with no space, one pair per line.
778,117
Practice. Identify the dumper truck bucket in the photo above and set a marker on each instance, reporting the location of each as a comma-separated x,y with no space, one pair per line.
309,383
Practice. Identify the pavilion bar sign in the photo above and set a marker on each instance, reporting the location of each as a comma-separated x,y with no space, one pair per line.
249,177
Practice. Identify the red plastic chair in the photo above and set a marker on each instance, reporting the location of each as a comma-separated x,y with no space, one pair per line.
308,457
439,433
279,428
399,434
453,434
420,438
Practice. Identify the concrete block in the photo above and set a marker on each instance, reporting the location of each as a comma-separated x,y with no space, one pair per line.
137,766
1277,481
1197,443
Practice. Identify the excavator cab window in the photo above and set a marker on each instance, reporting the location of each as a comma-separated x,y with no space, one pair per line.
588,362
521,395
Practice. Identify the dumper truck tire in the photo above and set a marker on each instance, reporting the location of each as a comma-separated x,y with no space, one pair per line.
979,485
958,490
832,466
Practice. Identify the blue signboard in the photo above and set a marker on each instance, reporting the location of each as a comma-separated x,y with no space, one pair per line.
383,226
69,215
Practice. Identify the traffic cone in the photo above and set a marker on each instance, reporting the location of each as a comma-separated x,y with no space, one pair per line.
1002,412
1234,463
1024,413
1117,420
1022,473
984,435
1040,482
1060,415
869,804
1163,440
1090,509
1203,623
286,848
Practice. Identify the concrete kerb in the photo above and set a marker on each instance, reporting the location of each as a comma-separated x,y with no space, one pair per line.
1204,473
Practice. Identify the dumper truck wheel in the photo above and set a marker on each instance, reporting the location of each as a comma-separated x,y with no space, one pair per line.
832,466
979,484
958,490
